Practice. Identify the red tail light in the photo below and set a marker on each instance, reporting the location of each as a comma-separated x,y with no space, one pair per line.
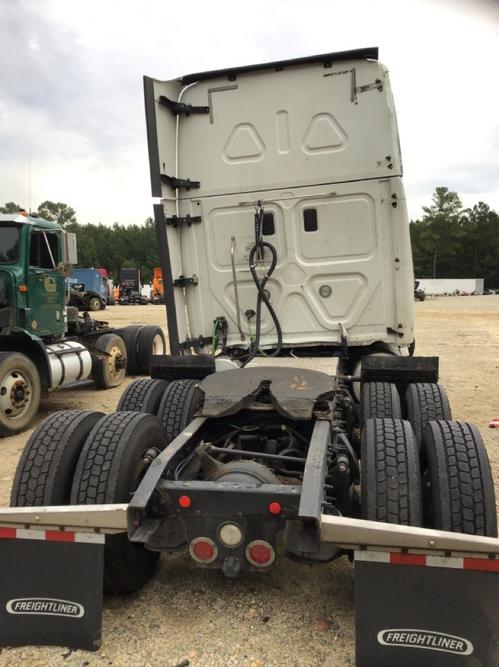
274,508
203,550
260,553
184,501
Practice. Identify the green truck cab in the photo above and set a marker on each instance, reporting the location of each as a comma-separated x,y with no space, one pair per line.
33,261
43,344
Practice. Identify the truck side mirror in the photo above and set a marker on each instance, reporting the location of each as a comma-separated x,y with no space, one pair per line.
69,254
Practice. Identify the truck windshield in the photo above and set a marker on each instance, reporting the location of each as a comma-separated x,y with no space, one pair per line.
9,244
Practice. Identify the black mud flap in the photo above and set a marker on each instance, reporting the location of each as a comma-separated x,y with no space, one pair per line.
428,611
51,588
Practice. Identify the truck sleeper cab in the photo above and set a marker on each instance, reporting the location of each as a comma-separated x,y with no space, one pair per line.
312,144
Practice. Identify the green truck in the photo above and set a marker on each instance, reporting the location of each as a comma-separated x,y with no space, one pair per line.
45,345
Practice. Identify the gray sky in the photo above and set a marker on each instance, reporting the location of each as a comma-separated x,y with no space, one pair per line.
71,100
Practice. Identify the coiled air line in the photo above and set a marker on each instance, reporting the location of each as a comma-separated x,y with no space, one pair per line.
257,254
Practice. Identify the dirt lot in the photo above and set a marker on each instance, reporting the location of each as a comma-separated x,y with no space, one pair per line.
295,615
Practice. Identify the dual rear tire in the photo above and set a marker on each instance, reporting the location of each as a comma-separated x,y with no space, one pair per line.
86,458
141,343
111,465
440,478
174,403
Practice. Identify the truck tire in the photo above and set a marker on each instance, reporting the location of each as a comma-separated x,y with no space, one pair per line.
424,402
109,371
130,336
458,485
44,474
390,474
178,405
110,467
379,399
150,341
142,396
20,392
94,303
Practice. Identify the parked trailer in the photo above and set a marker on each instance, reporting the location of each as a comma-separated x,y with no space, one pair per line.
294,207
451,286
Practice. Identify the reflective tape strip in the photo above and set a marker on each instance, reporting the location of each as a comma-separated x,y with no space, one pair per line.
93,538
7,533
51,535
428,560
483,564
59,536
407,559
26,534
442,561
373,556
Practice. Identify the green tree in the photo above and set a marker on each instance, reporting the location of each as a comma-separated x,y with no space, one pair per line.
481,243
10,207
57,212
440,231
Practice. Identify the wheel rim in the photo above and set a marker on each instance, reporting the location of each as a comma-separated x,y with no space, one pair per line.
16,394
115,368
157,345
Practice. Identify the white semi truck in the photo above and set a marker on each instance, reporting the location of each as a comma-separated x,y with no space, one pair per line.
283,232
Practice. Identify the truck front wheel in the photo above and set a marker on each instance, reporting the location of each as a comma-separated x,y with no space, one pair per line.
94,304
20,391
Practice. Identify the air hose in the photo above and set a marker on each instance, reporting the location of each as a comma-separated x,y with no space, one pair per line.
257,253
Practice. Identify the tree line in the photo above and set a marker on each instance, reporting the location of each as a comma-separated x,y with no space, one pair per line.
448,241
102,246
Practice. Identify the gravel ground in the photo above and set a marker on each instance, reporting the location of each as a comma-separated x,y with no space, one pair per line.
296,614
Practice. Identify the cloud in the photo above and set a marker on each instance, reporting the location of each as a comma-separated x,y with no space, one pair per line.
71,103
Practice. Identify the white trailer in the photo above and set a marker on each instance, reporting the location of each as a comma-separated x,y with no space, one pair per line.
451,286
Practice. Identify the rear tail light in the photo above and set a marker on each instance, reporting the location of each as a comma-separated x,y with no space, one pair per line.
260,553
184,501
274,508
203,550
